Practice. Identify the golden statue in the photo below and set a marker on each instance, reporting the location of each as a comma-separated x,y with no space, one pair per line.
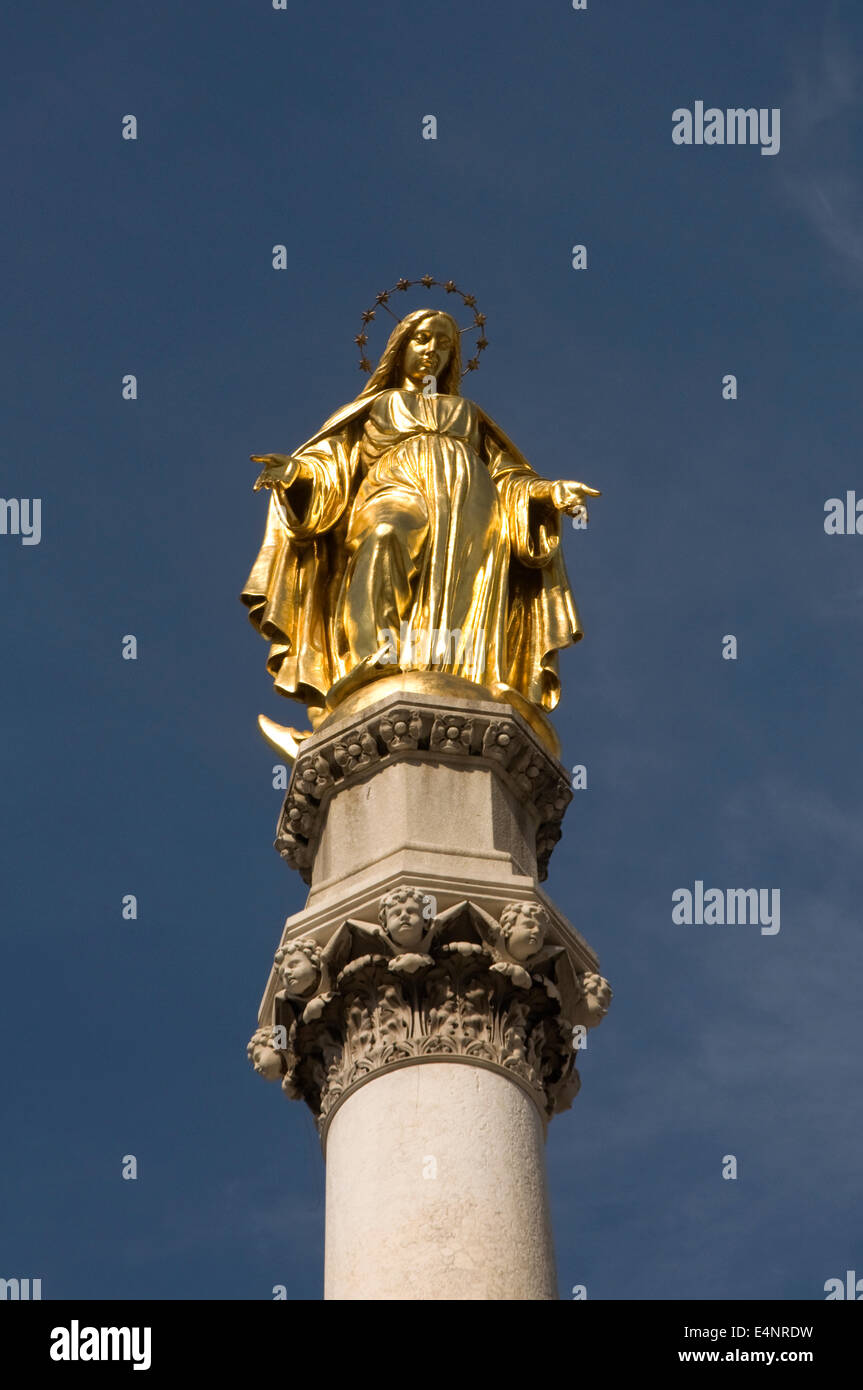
410,536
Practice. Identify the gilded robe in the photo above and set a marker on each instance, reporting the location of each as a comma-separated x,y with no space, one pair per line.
412,513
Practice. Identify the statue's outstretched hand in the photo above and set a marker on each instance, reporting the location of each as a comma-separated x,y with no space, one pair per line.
570,497
566,496
278,468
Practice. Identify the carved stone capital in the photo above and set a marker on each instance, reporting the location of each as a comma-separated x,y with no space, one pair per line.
410,727
417,986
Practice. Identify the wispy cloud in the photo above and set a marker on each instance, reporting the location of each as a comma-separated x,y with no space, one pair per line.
819,173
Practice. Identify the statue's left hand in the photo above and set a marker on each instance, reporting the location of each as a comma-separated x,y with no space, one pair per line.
564,496
570,497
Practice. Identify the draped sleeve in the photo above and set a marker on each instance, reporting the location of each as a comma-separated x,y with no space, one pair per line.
316,500
542,617
290,592
534,526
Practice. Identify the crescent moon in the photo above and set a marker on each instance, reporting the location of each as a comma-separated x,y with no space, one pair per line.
285,741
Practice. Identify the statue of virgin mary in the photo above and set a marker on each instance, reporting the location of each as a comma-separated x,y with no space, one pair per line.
411,535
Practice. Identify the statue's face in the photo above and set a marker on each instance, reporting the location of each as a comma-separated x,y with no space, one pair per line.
428,350
299,974
405,924
526,936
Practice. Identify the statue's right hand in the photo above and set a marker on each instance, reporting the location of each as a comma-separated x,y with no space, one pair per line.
278,468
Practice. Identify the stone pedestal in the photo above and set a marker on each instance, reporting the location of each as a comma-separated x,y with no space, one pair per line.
429,1002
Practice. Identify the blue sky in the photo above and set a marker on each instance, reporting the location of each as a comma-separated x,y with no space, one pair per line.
153,257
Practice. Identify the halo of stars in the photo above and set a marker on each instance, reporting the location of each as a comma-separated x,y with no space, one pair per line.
428,282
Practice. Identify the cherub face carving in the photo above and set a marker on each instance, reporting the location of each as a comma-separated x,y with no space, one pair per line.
404,917
597,994
523,927
267,1062
264,1057
299,966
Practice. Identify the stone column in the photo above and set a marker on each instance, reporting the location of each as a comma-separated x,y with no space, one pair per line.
429,1001
436,1189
